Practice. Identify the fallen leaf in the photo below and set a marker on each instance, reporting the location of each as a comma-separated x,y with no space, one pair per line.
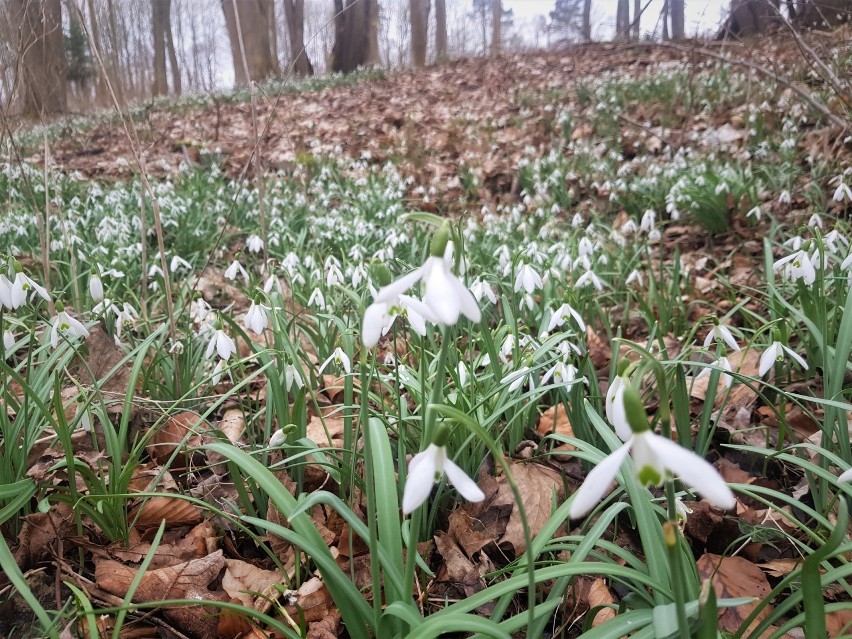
599,595
176,512
313,600
40,531
252,586
555,420
735,577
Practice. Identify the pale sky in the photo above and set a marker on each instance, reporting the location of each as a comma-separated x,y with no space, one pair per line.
705,16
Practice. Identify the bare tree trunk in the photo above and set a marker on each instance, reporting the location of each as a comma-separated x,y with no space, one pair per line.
159,18
637,15
496,24
170,49
294,14
114,56
253,31
101,97
441,29
356,40
273,32
419,10
587,20
665,17
622,20
41,54
678,24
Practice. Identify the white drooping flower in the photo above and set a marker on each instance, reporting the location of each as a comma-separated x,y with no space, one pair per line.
256,319
842,192
560,372
63,324
589,278
96,287
8,343
653,458
797,266
278,438
317,299
425,468
445,296
721,333
217,371
380,316
775,353
846,476
292,378
254,244
340,357
221,343
614,407
481,289
236,269
516,378
561,315
22,285
177,262
726,377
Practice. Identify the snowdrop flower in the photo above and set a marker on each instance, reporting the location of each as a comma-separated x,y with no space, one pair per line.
561,373
256,319
481,289
317,299
797,266
784,197
847,476
614,407
629,227
634,276
577,221
427,467
177,262
96,287
516,378
278,438
755,213
815,221
380,316
5,292
340,357
292,377
8,343
236,269
721,333
527,279
653,457
649,221
22,285
775,353
725,377
462,371
254,244
842,192
217,372
561,315
445,296
65,325
589,279
221,343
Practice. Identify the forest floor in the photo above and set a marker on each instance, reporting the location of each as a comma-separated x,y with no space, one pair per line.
653,188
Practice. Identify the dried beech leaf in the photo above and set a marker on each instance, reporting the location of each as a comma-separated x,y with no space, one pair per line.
250,585
176,512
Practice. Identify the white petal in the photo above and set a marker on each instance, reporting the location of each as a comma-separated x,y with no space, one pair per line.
462,483
467,302
847,476
615,412
374,319
726,336
768,359
211,346
421,476
441,297
795,356
597,482
693,470
399,286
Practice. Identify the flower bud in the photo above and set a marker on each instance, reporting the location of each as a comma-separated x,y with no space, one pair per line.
442,434
635,411
440,240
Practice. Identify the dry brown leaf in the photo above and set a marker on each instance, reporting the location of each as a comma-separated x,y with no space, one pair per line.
599,350
327,628
176,512
463,529
104,356
599,595
183,581
555,420
326,432
40,531
314,601
735,577
457,569
252,586
180,430
839,623
779,567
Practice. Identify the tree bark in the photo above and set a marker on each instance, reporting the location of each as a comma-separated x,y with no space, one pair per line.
114,56
637,15
496,25
101,96
665,16
419,10
177,89
677,15
159,19
587,20
294,14
356,40
441,29
622,20
247,22
41,55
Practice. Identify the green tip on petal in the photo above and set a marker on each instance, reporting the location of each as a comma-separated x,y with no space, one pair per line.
442,434
59,306
649,476
635,411
776,334
622,366
439,240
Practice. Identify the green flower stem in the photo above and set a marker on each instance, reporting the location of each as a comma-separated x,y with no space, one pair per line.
670,536
425,440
